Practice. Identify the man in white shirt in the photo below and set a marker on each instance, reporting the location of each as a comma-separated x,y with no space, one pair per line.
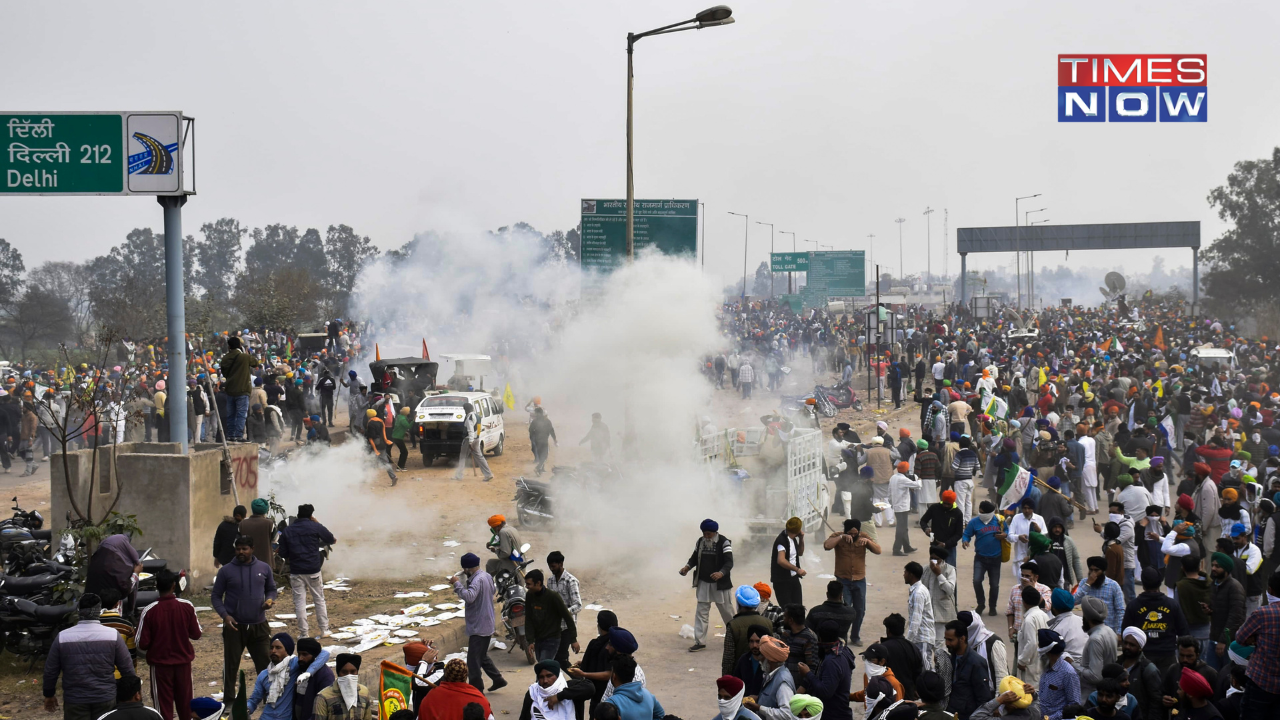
1033,620
1089,474
1019,534
920,629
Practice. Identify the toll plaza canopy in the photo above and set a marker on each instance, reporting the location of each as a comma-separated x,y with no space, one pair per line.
1107,236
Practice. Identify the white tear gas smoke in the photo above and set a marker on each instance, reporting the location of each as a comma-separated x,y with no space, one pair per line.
630,351
375,537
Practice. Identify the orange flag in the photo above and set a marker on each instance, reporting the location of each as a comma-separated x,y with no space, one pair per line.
1106,346
1159,341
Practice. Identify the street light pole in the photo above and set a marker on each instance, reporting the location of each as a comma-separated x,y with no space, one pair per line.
711,17
746,227
704,237
901,266
770,255
928,247
790,274
1031,263
1017,242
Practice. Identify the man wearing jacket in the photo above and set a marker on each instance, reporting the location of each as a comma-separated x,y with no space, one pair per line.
300,545
711,561
946,523
544,611
475,587
1226,608
327,386
1160,619
987,530
629,696
242,591
165,631
237,367
129,701
970,685
829,682
91,653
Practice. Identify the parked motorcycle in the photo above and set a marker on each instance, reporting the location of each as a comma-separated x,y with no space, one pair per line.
27,627
511,592
151,567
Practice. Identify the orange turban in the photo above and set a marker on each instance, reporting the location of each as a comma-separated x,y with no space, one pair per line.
765,591
1230,495
497,520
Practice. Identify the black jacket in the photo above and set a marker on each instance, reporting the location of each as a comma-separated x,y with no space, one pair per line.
224,540
579,691
300,545
131,711
1160,618
1145,687
946,524
905,662
723,563
327,385
970,684
832,610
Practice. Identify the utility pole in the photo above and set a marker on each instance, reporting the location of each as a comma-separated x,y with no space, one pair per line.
770,255
928,247
946,243
872,259
901,268
790,274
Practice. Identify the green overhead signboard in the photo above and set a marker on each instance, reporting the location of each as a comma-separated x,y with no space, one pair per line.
842,273
789,261
90,153
669,225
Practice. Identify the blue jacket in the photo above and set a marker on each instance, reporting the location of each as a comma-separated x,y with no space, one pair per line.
240,589
283,709
830,684
636,703
970,686
300,545
988,544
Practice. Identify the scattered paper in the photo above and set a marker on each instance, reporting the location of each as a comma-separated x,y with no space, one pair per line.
686,632
347,635
414,594
394,641
417,609
431,622
213,684
674,617
277,624
719,634
593,606
204,608
438,588
371,641
451,543
286,616
405,633
335,649
363,621
495,643
827,577
217,696
339,589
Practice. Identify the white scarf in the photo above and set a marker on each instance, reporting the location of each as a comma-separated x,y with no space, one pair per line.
349,686
541,711
872,669
278,679
729,708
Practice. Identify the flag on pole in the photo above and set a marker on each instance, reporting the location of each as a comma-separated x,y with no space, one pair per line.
509,398
1159,341
288,350
1016,485
997,408
395,689
240,705
1158,387
1106,346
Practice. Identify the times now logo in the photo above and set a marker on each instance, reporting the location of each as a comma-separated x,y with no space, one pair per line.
1133,88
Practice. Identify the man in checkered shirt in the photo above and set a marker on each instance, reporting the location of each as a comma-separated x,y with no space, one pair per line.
560,581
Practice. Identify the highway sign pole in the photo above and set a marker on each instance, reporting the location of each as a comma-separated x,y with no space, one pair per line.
175,309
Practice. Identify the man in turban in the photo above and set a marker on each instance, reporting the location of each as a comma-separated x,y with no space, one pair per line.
1226,606
1059,683
711,561
773,702
1194,693
784,564
505,545
346,698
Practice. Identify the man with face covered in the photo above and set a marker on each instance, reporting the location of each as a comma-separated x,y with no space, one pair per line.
829,682
1159,619
554,695
346,699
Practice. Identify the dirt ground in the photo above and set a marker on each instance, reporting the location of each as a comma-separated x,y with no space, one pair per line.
683,682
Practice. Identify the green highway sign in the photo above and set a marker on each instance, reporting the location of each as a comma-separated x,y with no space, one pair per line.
669,225
841,273
789,262
90,153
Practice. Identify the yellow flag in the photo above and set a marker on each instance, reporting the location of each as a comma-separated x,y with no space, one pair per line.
1084,385
508,398
1158,386
1043,378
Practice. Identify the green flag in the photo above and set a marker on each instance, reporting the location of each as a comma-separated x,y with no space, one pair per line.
395,689
240,706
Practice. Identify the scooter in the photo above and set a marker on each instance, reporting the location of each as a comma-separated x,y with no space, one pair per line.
511,592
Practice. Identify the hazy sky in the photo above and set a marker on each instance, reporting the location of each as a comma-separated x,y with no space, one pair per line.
826,118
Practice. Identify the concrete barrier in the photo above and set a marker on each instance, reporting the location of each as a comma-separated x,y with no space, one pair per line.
178,500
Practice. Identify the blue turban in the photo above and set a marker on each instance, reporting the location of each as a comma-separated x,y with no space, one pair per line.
1062,600
470,560
867,471
623,641
955,436
1273,451
709,525
286,640
352,373
1055,482
747,596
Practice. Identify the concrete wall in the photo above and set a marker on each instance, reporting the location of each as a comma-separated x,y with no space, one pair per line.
178,499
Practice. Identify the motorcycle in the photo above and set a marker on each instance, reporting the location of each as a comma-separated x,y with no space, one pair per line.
533,503
824,406
27,628
841,396
148,591
511,592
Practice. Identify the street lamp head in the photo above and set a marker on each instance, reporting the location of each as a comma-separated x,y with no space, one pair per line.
717,15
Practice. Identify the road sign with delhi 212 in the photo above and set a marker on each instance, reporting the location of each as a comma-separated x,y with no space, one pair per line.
91,153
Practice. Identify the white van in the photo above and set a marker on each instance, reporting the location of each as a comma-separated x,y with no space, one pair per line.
439,419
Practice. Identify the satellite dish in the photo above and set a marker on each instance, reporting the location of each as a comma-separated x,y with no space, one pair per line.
1115,282
1115,286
